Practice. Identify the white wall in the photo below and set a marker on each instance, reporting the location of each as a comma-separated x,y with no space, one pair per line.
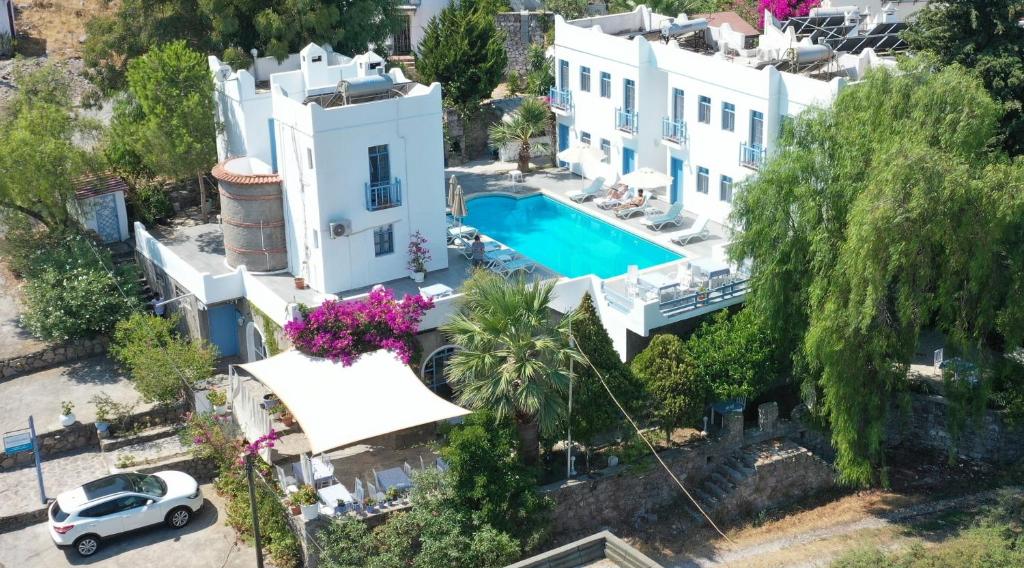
421,17
7,18
657,69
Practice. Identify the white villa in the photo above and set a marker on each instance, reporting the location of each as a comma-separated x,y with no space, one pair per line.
328,164
700,102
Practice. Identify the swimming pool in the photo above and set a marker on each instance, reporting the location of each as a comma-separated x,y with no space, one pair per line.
563,239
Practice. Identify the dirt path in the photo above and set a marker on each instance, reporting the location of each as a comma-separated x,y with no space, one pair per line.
815,537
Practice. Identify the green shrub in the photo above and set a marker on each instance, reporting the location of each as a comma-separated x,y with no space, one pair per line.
151,203
666,371
77,303
237,58
157,359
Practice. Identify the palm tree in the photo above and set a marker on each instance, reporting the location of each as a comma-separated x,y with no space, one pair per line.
514,356
528,121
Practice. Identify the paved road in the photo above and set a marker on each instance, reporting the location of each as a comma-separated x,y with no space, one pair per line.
205,542
19,489
40,393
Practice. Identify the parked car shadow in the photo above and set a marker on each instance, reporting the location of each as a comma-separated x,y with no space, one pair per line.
114,546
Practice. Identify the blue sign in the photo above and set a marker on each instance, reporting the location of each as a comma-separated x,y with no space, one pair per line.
17,442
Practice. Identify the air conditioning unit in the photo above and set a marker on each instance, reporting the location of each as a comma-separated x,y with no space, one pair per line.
339,229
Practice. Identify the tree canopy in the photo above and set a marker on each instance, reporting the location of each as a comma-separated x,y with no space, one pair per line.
881,214
177,135
677,394
44,145
273,27
986,37
463,50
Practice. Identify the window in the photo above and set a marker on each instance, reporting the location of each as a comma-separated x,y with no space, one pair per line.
585,79
725,189
380,165
585,138
383,240
628,95
606,148
704,110
309,158
606,85
729,117
678,98
435,371
563,75
133,502
101,510
702,180
756,128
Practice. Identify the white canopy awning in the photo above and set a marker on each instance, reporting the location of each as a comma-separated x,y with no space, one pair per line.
338,405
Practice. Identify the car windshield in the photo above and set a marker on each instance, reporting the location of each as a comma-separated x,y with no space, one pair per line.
149,484
134,482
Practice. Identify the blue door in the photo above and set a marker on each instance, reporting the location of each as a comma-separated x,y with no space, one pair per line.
628,160
676,171
224,329
563,141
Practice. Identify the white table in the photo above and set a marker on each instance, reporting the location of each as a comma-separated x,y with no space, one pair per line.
713,268
393,477
436,291
332,494
657,282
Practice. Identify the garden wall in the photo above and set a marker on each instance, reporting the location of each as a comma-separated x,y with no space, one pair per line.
52,356
522,29
992,439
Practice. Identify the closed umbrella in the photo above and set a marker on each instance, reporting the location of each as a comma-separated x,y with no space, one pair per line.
452,184
459,203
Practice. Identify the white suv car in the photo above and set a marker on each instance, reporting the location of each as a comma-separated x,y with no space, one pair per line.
120,503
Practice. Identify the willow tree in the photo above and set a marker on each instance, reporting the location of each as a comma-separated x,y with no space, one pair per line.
884,213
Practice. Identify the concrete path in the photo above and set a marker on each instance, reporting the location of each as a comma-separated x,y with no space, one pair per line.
19,491
205,542
14,340
41,393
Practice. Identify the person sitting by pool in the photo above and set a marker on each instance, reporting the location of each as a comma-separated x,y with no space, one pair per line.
477,249
617,192
635,202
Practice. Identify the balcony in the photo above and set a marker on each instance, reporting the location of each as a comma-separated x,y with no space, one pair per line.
383,195
560,99
751,156
626,120
673,130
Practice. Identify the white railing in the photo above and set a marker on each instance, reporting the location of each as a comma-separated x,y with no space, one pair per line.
248,413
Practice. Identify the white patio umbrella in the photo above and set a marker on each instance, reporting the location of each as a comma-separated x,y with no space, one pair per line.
580,153
452,184
646,178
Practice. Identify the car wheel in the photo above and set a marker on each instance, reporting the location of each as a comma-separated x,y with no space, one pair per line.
179,517
87,545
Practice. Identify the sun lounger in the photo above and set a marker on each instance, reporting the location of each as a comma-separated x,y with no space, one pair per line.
671,217
467,249
591,190
609,203
513,266
461,233
627,212
697,231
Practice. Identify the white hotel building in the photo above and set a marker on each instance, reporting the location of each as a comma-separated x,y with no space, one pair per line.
705,105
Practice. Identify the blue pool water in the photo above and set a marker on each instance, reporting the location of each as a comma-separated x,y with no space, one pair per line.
561,238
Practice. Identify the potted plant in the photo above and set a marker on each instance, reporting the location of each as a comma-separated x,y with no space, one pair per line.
393,496
371,505
270,400
284,415
308,502
702,293
102,421
219,400
67,417
293,508
419,256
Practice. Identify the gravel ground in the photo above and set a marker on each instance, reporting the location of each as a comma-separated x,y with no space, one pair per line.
74,69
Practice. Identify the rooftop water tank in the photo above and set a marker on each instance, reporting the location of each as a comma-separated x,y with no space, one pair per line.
365,86
252,215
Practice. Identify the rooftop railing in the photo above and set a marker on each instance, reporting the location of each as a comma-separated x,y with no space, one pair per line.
626,120
673,130
383,195
560,99
751,156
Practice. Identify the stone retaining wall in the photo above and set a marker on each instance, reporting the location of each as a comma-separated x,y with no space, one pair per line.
522,29
992,440
52,356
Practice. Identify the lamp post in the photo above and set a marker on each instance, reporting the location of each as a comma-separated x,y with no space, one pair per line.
255,512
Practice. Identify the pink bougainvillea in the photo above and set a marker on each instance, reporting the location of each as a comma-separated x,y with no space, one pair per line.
785,9
344,330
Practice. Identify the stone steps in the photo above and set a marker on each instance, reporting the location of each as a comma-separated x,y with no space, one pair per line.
147,435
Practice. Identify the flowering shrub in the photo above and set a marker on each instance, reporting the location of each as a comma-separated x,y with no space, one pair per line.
784,9
344,330
419,256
